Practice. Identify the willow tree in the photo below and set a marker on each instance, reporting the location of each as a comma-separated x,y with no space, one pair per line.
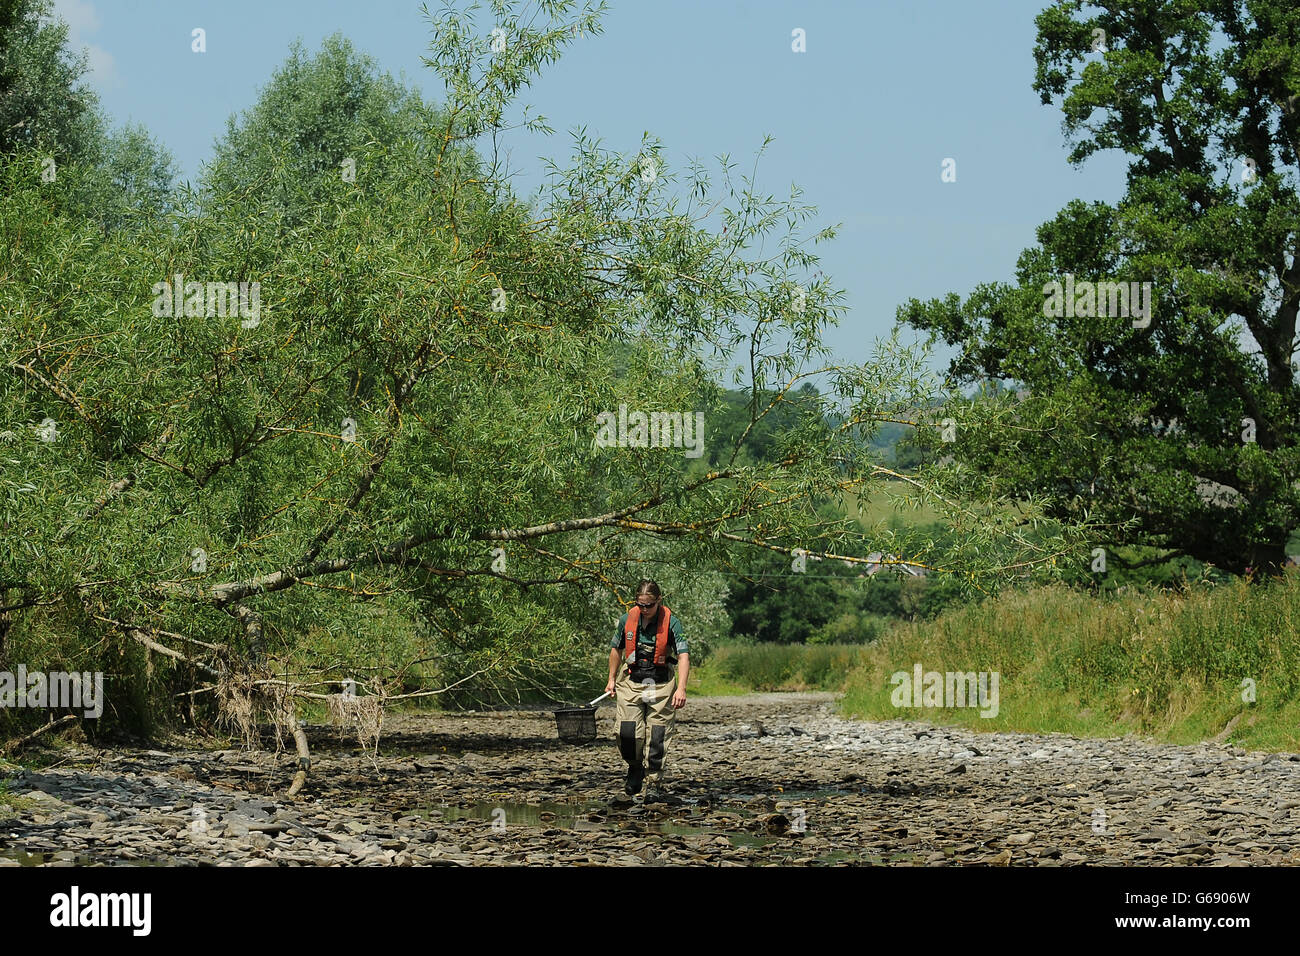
1176,427
420,416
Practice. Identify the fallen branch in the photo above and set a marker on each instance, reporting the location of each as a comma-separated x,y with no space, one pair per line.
16,745
153,645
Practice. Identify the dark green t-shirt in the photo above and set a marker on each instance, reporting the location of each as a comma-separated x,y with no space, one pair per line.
645,647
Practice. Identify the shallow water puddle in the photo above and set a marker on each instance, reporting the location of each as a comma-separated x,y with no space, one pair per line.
566,815
24,858
39,859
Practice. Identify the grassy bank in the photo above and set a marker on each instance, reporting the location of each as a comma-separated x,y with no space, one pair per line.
1168,666
775,667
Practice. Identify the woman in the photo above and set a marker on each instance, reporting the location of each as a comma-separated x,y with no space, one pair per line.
649,695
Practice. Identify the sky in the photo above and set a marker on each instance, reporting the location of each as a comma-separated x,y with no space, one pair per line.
862,120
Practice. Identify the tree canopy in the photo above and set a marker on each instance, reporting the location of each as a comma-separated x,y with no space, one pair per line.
1176,429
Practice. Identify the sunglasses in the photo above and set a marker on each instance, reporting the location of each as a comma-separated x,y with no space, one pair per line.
647,606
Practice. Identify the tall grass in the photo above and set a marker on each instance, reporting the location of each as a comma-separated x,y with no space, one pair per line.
780,667
1176,667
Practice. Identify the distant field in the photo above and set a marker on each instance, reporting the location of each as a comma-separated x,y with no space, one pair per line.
881,506
886,503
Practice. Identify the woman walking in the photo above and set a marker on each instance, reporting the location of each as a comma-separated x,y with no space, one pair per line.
648,643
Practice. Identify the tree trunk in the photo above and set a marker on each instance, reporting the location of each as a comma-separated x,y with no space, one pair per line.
1267,561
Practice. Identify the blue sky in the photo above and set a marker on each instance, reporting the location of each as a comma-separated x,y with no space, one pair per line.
862,120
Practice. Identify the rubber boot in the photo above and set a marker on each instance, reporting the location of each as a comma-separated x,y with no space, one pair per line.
655,762
630,747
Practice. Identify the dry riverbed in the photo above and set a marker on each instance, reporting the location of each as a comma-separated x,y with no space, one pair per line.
760,779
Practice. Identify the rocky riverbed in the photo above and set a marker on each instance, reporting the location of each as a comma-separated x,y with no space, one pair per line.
754,780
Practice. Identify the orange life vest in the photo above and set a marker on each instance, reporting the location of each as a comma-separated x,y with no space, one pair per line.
661,638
